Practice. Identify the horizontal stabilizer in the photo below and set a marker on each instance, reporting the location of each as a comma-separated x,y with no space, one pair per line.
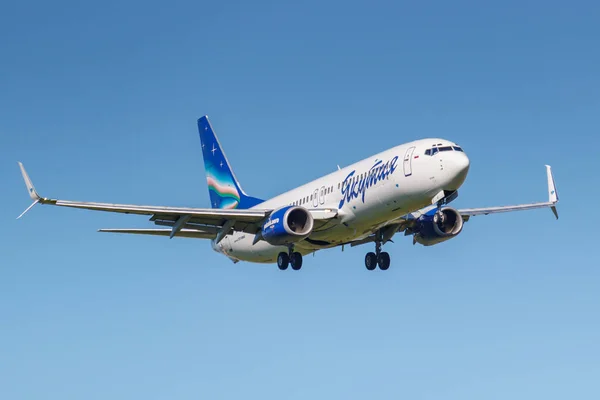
187,233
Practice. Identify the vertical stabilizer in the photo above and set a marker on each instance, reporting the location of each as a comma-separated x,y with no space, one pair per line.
223,187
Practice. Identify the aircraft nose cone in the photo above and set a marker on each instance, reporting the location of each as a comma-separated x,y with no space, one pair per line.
458,168
462,164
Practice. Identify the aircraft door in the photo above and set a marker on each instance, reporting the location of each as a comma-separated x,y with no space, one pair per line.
322,195
316,198
408,161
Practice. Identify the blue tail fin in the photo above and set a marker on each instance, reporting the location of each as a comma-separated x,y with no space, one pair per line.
223,187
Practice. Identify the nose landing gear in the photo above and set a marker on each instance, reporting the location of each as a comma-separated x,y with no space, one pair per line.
292,257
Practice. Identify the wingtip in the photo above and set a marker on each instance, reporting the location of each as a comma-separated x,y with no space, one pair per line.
28,183
552,191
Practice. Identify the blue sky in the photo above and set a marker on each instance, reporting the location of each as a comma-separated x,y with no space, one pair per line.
100,102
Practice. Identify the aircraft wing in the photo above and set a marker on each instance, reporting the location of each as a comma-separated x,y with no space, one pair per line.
407,222
551,203
206,220
207,223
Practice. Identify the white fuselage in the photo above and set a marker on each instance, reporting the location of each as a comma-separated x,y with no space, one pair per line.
368,195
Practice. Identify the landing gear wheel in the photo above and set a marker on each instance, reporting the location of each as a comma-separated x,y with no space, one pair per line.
296,261
371,261
282,261
384,261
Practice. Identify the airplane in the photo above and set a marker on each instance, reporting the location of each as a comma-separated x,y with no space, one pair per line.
405,189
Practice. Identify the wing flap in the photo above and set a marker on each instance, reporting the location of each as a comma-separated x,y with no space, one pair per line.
186,233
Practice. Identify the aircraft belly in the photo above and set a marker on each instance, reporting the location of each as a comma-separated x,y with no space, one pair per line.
239,246
337,234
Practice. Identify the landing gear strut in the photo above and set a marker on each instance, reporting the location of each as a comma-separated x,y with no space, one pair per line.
380,258
440,214
292,257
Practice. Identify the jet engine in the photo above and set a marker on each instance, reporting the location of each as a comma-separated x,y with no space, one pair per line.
435,227
287,225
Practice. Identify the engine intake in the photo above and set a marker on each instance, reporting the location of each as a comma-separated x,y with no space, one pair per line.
433,227
287,225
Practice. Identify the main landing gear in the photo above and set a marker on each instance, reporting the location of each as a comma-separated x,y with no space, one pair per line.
380,258
292,257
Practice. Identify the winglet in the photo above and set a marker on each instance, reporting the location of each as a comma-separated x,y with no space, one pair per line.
552,193
30,189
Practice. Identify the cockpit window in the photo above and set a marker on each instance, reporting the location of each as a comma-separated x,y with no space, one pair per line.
435,149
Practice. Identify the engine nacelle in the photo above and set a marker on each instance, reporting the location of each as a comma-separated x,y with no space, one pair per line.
432,229
287,225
